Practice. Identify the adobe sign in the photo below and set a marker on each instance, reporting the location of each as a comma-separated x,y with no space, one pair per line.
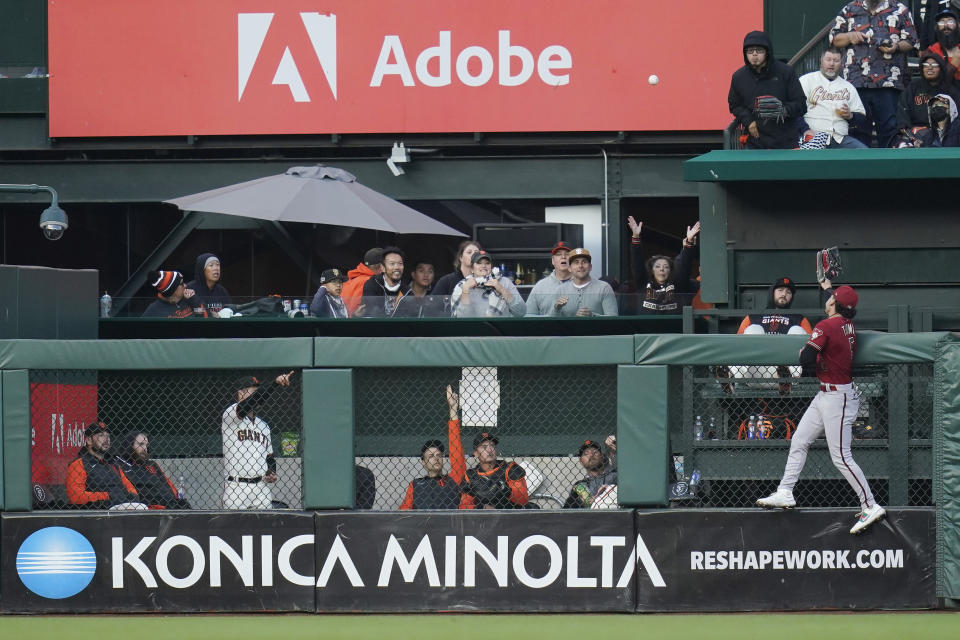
222,67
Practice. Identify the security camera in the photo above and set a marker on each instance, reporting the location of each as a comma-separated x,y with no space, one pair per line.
394,169
53,222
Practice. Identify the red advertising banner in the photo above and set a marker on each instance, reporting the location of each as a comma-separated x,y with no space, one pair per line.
234,67
58,414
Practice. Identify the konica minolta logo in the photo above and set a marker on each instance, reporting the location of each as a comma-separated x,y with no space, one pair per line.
56,562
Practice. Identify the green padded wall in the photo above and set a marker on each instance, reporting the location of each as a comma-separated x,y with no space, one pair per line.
16,441
328,481
642,435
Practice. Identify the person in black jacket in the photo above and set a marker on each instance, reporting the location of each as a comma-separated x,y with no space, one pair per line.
172,296
934,79
664,284
766,97
206,284
327,302
438,490
462,267
418,300
95,478
383,292
155,489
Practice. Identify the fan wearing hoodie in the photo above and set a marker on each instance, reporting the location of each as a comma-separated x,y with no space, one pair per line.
352,292
934,79
206,284
773,122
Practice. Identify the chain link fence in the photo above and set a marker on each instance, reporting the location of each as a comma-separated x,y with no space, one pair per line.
732,425
167,439
540,416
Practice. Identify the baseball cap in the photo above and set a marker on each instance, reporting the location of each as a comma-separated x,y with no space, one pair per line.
332,275
245,382
94,428
846,296
431,444
785,282
480,255
484,436
943,13
373,256
588,444
167,282
579,253
560,246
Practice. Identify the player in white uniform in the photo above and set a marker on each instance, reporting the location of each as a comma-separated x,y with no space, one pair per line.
248,460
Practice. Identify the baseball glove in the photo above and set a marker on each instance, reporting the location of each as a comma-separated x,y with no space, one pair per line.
828,264
769,108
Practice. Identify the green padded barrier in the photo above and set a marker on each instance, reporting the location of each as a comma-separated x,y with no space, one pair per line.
946,464
873,348
16,441
156,354
642,425
328,480
481,351
788,165
713,244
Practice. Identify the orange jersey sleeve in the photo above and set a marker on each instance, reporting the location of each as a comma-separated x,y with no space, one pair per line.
805,325
745,324
518,485
458,460
407,499
76,485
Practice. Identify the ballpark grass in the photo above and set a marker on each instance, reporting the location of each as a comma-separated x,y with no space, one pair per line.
735,626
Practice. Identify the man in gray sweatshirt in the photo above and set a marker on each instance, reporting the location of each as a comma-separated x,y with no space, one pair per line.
544,293
582,295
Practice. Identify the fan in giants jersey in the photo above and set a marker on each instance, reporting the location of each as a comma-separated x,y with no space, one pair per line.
247,447
437,490
830,352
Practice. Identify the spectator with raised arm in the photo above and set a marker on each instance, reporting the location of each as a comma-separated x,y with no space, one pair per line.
664,283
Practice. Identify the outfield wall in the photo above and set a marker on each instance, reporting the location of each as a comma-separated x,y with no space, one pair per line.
588,561
645,365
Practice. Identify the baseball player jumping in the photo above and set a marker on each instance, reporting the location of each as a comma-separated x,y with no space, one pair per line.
248,460
832,412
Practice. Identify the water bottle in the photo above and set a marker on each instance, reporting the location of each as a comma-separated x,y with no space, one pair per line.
698,429
106,305
678,466
694,478
712,431
181,487
760,433
752,428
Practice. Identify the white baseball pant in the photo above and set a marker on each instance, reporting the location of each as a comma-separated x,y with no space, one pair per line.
831,413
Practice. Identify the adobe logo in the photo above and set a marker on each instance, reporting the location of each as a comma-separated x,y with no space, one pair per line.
252,30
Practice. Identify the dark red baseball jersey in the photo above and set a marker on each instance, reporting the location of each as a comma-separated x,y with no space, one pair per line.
836,340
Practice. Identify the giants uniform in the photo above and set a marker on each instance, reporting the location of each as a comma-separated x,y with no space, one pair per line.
246,448
833,410
442,492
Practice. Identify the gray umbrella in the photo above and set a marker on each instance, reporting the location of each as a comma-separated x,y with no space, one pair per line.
322,195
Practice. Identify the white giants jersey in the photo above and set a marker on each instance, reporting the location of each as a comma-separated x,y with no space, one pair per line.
246,444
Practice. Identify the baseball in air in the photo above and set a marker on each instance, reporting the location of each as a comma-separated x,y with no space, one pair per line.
653,79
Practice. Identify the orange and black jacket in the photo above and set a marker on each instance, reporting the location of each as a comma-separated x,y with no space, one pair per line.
96,483
153,486
442,492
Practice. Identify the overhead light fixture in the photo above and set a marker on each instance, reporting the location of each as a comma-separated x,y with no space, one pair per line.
398,155
53,220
